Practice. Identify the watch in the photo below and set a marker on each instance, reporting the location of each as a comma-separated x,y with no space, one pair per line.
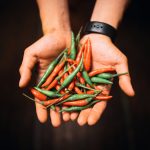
100,28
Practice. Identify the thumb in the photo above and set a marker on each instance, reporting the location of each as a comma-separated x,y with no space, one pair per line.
29,60
125,80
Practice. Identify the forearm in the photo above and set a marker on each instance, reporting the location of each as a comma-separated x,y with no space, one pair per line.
109,11
54,15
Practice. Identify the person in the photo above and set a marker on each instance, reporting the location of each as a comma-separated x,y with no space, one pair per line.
57,36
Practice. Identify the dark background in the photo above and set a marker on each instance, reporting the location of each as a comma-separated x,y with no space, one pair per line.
125,124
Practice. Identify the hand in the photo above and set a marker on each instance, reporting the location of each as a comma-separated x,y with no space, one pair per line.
104,54
42,53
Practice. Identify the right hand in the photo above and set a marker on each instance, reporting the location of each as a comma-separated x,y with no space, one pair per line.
104,55
42,52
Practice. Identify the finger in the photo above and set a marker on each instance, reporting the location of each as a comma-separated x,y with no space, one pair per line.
66,115
41,113
96,112
83,116
29,60
55,117
125,80
74,115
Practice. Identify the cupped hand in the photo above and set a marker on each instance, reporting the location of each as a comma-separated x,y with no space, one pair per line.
104,54
42,52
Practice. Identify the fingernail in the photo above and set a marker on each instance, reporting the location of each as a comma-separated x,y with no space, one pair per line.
91,121
80,122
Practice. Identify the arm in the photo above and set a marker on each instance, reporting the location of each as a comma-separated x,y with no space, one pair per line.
54,15
56,28
110,12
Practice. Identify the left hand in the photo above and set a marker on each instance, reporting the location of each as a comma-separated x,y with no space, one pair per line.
104,54
42,52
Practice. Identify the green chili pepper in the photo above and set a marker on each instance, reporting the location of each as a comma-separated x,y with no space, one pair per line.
70,77
78,36
78,108
100,80
109,75
87,78
77,97
50,68
73,48
85,87
48,93
65,70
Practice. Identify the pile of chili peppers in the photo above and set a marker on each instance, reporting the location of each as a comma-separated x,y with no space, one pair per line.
69,81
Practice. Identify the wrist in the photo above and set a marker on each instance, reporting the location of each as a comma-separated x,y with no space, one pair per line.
55,23
52,28
100,37
100,28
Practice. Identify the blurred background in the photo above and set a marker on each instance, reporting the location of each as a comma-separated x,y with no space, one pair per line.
124,125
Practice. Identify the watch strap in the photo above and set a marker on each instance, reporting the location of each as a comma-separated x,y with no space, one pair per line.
100,28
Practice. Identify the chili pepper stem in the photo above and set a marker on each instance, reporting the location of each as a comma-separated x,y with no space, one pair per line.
58,100
53,107
32,99
70,77
83,86
78,35
119,74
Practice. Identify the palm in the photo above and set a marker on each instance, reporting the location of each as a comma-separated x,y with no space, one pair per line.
49,48
104,54
42,53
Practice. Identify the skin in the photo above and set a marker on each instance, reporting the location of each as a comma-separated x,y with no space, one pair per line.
57,36
108,54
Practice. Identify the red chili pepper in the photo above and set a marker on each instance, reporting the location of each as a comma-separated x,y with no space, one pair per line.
71,86
62,76
100,97
50,102
71,61
98,71
38,95
90,92
54,73
59,99
61,80
71,69
61,71
82,81
88,85
52,84
79,55
79,74
77,90
82,102
65,75
57,87
87,55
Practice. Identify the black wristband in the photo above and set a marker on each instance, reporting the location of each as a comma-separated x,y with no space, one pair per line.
100,28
